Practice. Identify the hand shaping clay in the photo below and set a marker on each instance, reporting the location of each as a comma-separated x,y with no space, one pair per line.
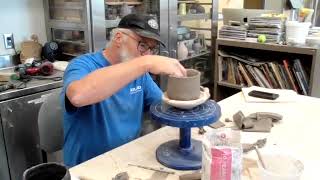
184,88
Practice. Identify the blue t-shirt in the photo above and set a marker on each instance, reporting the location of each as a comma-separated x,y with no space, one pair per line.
94,129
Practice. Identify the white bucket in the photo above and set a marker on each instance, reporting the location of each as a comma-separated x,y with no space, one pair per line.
296,32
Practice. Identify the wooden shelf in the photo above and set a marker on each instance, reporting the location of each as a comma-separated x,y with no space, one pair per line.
206,81
68,5
73,42
66,24
226,84
187,1
194,56
193,1
120,3
267,46
190,17
309,55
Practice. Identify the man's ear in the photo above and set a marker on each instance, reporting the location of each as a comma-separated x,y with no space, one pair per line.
118,39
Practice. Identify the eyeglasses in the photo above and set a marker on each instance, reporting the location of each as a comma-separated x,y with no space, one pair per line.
143,47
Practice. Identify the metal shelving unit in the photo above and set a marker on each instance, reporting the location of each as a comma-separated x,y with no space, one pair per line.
194,56
190,17
123,2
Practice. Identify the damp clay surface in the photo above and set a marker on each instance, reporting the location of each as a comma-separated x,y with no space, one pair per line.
184,88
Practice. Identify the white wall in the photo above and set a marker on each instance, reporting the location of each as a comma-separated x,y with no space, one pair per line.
22,18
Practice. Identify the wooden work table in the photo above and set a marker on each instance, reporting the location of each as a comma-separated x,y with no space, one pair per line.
297,133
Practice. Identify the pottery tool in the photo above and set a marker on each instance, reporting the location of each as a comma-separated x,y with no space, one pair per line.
260,157
184,153
162,170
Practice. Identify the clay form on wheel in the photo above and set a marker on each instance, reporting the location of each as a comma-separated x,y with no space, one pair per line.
204,96
184,88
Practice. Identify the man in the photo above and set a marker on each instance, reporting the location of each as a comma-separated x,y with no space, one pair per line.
105,93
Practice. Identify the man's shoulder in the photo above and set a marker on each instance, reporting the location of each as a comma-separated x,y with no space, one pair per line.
89,60
85,58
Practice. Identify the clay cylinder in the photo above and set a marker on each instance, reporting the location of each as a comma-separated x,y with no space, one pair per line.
184,88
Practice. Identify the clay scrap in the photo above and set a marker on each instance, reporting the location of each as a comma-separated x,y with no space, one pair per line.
121,176
217,125
256,122
249,147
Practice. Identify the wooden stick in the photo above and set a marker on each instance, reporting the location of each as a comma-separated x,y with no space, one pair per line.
153,169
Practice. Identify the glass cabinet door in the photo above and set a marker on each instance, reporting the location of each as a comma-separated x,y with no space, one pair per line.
67,10
68,23
113,10
193,36
72,42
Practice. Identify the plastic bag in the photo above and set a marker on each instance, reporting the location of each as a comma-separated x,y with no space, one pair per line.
222,155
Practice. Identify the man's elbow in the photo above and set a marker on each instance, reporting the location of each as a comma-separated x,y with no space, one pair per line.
75,96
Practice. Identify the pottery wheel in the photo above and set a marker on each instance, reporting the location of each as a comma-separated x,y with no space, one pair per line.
185,153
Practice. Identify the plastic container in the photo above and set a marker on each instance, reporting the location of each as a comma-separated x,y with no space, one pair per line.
279,166
296,32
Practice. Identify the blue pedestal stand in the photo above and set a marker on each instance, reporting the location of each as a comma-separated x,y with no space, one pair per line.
183,154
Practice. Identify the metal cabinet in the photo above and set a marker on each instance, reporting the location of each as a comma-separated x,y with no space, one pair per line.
68,22
19,118
4,169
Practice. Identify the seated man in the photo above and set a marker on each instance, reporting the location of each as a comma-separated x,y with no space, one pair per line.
105,92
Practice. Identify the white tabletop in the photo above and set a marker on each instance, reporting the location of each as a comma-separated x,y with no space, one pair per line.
297,133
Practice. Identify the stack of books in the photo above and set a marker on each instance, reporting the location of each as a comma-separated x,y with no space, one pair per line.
271,27
233,32
283,74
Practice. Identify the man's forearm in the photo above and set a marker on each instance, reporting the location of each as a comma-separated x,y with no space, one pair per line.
104,82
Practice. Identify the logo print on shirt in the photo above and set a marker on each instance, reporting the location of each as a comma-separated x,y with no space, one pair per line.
135,90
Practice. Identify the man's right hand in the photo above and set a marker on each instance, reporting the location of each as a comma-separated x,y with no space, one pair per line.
164,65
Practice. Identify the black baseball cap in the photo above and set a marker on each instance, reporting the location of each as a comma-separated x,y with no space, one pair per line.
144,25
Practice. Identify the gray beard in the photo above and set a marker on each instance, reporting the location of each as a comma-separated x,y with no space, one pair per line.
125,55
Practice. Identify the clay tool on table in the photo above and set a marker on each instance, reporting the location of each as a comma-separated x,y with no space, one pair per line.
259,144
153,169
